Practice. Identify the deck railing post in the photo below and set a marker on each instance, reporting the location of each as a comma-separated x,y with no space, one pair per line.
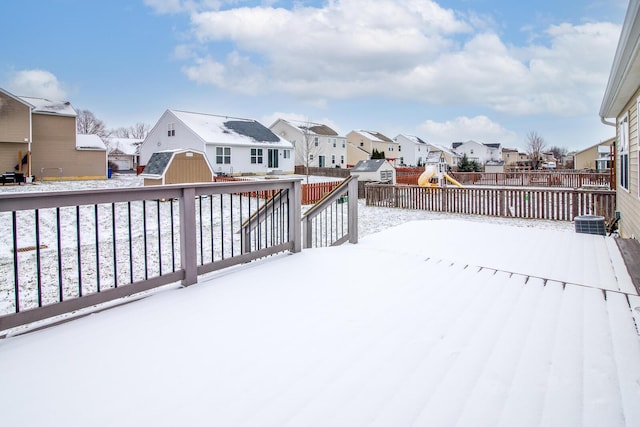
188,258
353,211
295,216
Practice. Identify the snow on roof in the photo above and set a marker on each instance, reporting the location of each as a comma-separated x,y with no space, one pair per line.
127,146
374,136
368,165
450,335
443,149
47,106
215,129
413,139
89,142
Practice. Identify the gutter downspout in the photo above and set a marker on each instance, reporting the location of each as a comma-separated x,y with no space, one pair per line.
612,155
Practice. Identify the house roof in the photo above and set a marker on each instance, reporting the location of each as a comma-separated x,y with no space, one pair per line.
607,143
214,129
374,136
47,106
455,145
89,142
412,138
624,78
443,149
493,145
368,165
126,146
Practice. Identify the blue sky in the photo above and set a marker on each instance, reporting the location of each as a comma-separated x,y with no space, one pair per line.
446,71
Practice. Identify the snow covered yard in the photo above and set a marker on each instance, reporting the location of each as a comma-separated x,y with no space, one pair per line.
405,328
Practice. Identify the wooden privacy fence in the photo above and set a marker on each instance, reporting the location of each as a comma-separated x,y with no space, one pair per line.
534,179
311,193
552,204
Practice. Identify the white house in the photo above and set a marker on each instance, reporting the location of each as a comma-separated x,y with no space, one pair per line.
234,146
450,157
316,144
481,153
124,152
414,150
374,170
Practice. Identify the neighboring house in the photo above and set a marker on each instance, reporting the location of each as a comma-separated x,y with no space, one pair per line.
124,152
414,150
451,158
233,146
621,102
46,129
316,145
475,151
596,157
177,167
375,170
359,141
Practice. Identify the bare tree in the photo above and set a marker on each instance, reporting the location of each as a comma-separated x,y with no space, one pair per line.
535,147
309,148
137,131
559,153
88,124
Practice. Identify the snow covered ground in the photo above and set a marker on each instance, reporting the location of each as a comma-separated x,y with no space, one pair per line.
412,326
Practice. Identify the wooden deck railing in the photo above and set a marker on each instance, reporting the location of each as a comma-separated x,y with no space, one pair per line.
559,179
551,204
535,179
311,193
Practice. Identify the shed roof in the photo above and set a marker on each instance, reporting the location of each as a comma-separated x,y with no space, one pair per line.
158,162
368,165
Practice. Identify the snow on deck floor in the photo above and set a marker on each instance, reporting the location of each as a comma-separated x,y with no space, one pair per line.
396,331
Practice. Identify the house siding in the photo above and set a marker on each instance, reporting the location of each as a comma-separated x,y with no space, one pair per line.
628,202
14,120
14,130
586,159
54,147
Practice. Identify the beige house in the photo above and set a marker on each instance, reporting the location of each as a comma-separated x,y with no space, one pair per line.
596,157
515,160
621,103
47,130
361,143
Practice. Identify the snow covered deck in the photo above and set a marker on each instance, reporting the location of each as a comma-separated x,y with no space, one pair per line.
431,323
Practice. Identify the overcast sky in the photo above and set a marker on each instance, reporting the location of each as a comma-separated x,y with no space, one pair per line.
445,71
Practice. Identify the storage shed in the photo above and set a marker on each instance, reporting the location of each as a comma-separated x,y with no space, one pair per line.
379,170
177,167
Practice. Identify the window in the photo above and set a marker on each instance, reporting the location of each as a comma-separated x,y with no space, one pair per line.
287,154
386,175
223,155
342,160
623,144
315,141
333,159
171,129
334,143
343,144
256,155
399,147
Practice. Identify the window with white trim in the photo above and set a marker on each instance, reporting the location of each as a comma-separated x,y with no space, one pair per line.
623,150
171,129
256,156
223,155
287,154
333,159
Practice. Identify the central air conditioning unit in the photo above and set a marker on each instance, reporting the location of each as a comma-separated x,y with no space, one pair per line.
590,224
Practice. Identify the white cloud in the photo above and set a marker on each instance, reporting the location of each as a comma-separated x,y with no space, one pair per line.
414,50
479,128
36,83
